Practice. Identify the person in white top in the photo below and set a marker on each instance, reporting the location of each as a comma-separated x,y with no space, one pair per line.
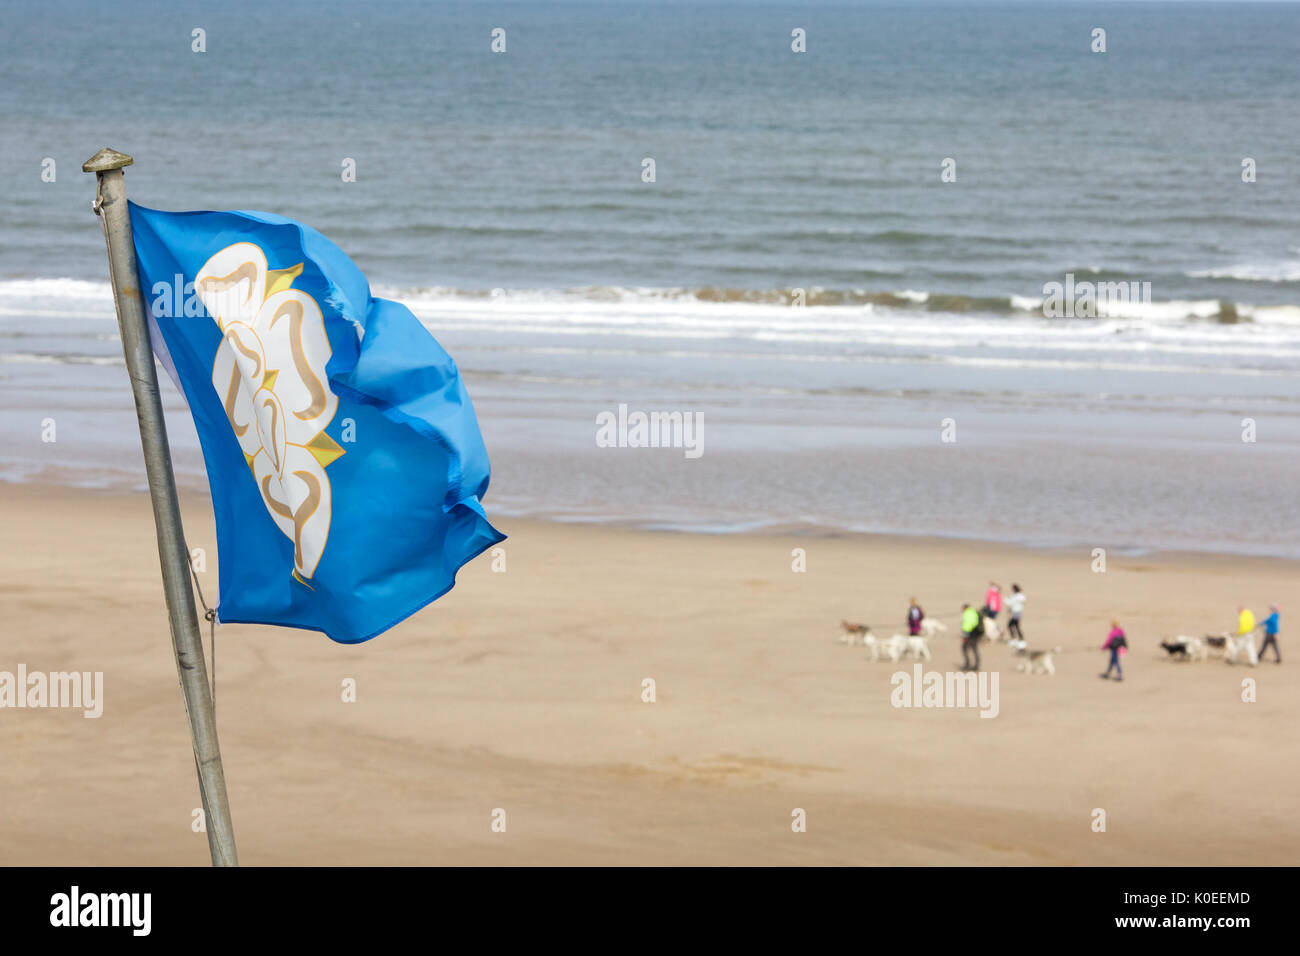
1016,606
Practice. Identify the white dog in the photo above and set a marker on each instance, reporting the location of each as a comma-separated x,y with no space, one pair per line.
1236,644
1036,662
889,648
931,626
915,645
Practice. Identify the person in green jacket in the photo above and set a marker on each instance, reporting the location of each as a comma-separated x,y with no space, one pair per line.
972,629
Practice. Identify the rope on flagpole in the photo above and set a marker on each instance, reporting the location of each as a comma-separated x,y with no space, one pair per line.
209,615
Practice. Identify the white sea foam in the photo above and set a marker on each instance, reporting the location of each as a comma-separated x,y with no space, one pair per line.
1178,310
1182,330
1271,314
1027,303
57,288
1276,271
56,298
33,358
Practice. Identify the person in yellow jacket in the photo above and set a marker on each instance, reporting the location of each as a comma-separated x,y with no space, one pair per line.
972,629
1245,621
1246,636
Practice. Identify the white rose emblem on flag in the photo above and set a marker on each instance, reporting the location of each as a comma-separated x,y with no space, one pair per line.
269,374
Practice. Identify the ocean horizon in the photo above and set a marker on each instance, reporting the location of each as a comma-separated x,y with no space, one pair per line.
839,253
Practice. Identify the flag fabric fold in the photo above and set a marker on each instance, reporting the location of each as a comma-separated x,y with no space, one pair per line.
343,453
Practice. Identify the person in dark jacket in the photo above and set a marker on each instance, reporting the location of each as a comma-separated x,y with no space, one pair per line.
914,618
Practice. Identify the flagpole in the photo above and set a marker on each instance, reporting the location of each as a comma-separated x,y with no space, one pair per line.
110,205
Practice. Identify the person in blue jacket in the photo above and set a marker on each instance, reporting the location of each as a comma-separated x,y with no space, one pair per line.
1270,635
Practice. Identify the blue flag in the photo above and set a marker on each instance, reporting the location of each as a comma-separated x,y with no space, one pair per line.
346,465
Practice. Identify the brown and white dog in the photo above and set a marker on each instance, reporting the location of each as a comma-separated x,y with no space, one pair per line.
853,634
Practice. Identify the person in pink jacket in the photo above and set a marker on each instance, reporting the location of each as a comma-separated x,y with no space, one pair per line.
993,601
1117,644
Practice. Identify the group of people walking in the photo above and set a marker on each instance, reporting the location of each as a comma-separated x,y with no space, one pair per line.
1117,641
973,628
1246,626
973,622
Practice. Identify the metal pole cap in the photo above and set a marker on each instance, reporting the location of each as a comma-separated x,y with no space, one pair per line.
105,160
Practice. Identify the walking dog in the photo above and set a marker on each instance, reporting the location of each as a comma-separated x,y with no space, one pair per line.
1236,645
1036,662
931,626
1185,648
915,645
891,649
1216,644
853,634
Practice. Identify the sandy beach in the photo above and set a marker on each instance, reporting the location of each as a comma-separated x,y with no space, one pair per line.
522,691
